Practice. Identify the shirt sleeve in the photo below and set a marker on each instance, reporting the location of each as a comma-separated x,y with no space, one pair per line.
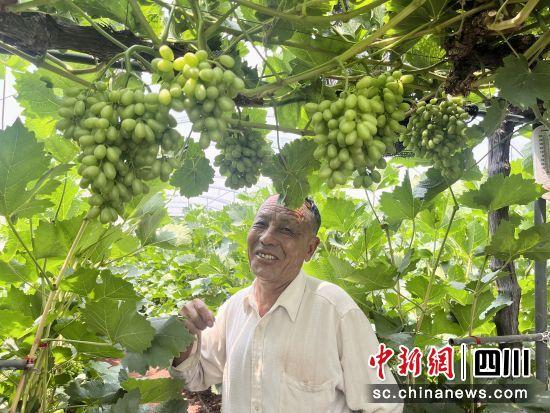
357,342
204,366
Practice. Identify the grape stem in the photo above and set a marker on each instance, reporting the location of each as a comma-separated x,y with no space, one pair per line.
78,10
426,299
42,64
166,30
201,39
52,296
66,340
29,253
304,19
138,14
211,30
334,62
253,125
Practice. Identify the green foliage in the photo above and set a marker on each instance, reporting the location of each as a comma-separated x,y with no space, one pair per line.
22,161
400,204
155,390
171,338
194,177
119,323
500,191
380,275
520,85
532,243
289,171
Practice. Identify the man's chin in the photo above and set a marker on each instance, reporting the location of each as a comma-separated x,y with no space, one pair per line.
264,271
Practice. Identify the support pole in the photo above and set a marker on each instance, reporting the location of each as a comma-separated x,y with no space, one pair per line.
541,337
541,302
14,364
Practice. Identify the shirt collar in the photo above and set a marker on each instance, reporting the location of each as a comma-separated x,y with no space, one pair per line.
290,298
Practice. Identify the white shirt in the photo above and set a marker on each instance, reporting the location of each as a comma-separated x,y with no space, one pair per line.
308,353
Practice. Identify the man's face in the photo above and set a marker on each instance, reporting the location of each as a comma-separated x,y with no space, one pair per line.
279,241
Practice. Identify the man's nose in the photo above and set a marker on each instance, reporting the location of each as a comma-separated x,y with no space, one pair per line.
268,236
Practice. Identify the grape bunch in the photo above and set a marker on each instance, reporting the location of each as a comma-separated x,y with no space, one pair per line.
242,153
437,131
203,88
126,137
357,129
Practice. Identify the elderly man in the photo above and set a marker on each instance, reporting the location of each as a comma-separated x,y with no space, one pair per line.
288,343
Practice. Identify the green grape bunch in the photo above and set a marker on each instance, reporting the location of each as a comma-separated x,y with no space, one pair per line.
354,131
242,154
127,138
204,88
437,131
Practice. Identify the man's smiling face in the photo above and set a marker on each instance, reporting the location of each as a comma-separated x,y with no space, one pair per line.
280,240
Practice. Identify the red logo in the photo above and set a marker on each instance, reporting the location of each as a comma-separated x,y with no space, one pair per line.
441,362
380,359
409,361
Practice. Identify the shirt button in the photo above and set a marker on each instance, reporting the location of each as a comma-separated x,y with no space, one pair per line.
256,407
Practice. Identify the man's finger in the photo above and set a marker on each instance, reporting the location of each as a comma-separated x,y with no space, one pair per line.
191,327
205,313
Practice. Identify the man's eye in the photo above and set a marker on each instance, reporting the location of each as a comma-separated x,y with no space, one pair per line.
288,230
259,224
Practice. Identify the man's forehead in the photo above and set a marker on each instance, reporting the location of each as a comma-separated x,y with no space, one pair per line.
272,205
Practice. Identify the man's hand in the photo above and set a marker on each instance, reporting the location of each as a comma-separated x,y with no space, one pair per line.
197,316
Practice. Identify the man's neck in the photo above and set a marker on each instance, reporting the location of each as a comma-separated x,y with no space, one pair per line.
267,293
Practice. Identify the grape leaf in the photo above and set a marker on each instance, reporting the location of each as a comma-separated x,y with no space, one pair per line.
34,95
113,287
155,390
13,324
171,338
485,306
520,85
53,239
418,285
127,404
93,392
289,169
499,191
400,204
149,223
495,114
22,160
434,183
171,406
532,243
425,52
15,272
376,276
76,330
429,11
120,323
329,267
194,177
291,115
27,305
338,213
81,282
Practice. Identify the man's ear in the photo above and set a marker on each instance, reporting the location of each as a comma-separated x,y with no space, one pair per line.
313,244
